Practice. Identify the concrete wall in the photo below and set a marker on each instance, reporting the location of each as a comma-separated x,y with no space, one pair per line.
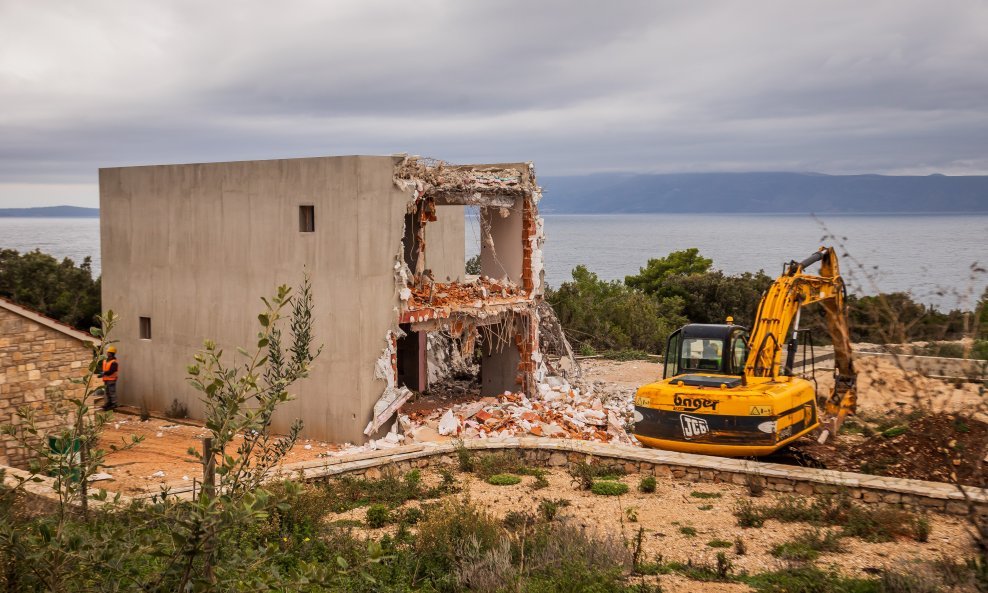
443,257
505,260
194,247
37,364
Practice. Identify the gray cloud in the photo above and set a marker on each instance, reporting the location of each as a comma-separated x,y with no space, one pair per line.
837,87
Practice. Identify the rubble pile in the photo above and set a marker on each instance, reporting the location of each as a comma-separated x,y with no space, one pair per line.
560,411
438,178
454,295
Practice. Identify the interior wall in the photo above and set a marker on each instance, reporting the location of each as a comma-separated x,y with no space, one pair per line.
498,367
505,259
445,249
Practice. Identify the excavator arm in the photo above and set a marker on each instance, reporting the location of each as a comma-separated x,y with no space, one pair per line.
778,320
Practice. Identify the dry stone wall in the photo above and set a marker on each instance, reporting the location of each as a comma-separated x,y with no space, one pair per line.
36,365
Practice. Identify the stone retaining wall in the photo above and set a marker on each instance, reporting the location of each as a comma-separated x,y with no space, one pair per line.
912,494
559,453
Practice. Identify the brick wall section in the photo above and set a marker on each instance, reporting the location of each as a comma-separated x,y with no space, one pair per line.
529,226
36,365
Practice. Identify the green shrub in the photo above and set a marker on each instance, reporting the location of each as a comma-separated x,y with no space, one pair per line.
584,473
609,488
464,457
807,546
549,508
647,484
411,515
922,528
515,520
504,462
895,431
748,515
688,531
808,579
698,494
705,507
303,508
608,316
503,480
378,515
447,526
719,543
740,548
878,524
391,489
447,481
540,480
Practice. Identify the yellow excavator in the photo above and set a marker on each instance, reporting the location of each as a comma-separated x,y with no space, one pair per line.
730,393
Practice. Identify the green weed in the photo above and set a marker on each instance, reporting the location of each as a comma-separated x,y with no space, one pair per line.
503,480
609,488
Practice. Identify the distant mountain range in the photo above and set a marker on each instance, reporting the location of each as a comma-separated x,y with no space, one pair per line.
793,193
50,212
762,193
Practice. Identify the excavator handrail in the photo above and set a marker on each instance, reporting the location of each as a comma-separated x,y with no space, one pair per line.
758,368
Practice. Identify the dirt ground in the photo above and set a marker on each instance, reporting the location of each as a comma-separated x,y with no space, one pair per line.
673,506
161,459
886,395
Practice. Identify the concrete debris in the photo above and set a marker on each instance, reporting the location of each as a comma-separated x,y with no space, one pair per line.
561,411
444,358
439,179
393,396
459,295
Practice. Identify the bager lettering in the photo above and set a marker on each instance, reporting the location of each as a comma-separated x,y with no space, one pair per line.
693,427
692,404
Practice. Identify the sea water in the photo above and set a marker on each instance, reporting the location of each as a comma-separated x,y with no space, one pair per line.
936,258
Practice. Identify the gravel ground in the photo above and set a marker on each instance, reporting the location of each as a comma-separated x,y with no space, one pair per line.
672,506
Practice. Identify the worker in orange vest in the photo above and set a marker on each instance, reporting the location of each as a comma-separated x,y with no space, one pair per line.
109,375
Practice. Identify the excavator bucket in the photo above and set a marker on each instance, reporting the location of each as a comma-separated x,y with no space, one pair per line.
843,402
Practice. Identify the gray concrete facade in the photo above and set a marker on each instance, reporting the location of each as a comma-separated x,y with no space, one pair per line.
194,248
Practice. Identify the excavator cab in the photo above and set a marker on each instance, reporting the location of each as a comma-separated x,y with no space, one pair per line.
706,349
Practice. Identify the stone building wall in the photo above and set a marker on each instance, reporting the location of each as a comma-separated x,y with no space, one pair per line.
38,357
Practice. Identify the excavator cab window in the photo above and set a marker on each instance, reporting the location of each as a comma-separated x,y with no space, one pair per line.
738,352
702,355
671,366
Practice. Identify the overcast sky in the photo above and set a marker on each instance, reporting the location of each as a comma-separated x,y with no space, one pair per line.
897,87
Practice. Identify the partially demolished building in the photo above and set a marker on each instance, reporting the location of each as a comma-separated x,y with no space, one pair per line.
188,250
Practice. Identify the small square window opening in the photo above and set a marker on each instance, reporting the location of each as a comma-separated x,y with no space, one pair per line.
306,219
145,328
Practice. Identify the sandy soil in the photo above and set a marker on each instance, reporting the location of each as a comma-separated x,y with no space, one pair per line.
164,449
672,506
625,374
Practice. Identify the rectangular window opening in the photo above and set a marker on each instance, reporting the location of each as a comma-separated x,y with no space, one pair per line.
306,219
145,328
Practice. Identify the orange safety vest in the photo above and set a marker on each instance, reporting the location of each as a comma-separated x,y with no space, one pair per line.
109,377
